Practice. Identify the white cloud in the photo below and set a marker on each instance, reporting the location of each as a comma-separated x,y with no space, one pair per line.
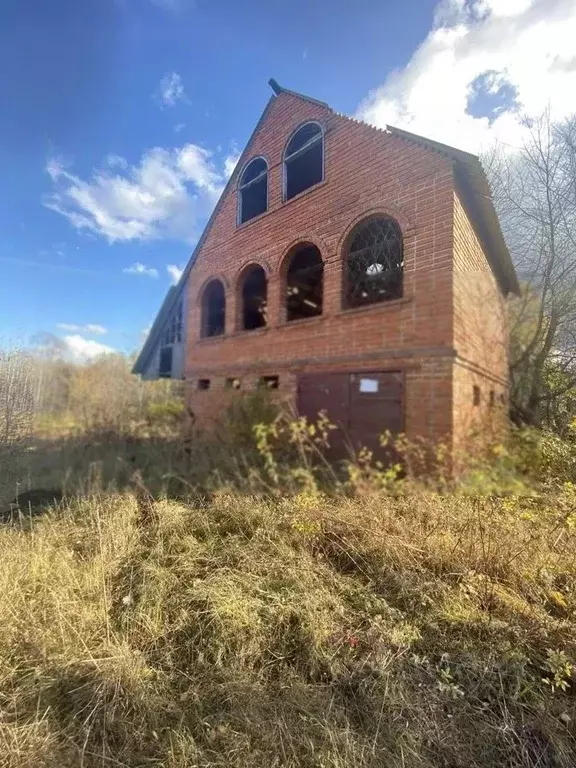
230,162
115,161
171,89
168,194
140,269
483,65
175,272
179,127
82,350
91,328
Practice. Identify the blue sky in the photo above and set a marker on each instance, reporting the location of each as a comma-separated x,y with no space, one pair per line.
122,118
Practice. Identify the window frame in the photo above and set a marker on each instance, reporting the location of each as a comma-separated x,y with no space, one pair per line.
345,303
287,262
242,186
203,308
286,159
241,299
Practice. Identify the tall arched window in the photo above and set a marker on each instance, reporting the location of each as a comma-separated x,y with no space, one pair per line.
373,262
213,309
304,282
254,298
303,160
253,190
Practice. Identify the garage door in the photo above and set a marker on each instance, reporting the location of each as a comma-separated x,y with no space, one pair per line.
361,405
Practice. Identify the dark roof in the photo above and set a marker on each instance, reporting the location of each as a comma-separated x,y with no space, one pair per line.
473,188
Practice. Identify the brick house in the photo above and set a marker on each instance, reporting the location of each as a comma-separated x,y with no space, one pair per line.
352,269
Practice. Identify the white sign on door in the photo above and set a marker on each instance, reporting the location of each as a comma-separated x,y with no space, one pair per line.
368,385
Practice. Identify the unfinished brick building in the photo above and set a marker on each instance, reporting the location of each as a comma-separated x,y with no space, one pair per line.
356,270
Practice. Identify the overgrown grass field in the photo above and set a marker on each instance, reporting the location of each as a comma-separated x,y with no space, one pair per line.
237,630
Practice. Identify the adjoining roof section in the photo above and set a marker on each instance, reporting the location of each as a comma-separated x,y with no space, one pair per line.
474,190
176,291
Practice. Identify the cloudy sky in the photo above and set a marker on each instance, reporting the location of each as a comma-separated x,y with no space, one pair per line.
122,119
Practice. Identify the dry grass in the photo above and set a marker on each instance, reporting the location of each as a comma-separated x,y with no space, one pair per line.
304,631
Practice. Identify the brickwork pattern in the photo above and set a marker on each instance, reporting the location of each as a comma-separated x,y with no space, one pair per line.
366,171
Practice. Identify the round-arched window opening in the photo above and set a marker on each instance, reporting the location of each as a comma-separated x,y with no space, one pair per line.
254,298
253,190
304,283
213,309
303,160
374,263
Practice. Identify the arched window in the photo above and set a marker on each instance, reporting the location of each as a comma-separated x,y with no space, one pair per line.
213,309
304,282
254,298
253,190
373,263
303,160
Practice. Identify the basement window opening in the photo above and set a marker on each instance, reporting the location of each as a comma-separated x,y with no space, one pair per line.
253,190
374,263
269,382
213,310
254,298
303,160
304,283
203,384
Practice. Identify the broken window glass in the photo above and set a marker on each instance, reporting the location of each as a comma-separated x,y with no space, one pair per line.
374,263
304,283
304,160
213,309
253,190
254,297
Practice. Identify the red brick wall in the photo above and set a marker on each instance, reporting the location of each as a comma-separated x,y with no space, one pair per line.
480,337
366,171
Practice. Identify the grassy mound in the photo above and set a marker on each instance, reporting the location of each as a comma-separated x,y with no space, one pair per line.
240,631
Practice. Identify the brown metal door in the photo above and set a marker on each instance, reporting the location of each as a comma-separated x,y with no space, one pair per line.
330,393
361,405
375,407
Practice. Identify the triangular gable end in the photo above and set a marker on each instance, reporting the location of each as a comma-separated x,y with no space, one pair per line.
469,175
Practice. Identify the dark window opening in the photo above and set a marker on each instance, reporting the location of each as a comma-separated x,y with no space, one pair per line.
254,298
492,398
476,394
165,366
253,190
304,283
233,383
374,263
304,160
203,383
213,309
503,399
269,382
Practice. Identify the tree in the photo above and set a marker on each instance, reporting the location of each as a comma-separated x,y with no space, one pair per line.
535,194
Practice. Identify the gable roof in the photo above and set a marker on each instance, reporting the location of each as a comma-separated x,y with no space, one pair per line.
473,188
